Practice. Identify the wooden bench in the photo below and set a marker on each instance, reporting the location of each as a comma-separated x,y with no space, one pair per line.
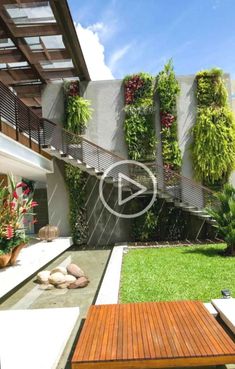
152,335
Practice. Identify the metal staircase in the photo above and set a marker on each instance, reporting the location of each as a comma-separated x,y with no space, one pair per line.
175,189
43,135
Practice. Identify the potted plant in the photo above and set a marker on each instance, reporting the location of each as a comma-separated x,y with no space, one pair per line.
13,208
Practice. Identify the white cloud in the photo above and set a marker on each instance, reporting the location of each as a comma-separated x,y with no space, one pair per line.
94,52
97,27
118,55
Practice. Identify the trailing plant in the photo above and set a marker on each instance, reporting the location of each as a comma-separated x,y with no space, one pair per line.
168,89
224,215
76,180
139,126
78,109
213,148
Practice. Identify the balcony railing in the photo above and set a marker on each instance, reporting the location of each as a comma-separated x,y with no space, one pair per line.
19,121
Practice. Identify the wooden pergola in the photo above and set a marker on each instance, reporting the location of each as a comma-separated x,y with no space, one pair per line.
38,44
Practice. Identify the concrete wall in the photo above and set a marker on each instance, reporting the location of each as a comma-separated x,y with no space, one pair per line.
106,125
186,117
58,199
53,102
105,228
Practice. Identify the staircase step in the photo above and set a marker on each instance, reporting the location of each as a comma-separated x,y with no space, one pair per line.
90,169
164,196
189,208
205,216
109,179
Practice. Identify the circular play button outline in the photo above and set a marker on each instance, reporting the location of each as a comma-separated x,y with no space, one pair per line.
142,188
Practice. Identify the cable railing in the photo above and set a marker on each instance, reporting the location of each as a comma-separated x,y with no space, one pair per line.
26,126
179,188
44,133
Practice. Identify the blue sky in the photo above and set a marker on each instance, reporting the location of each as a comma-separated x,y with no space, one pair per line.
141,35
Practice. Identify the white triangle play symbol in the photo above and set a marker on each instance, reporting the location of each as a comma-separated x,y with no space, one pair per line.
122,177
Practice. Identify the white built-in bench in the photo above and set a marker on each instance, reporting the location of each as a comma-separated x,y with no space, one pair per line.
36,338
226,309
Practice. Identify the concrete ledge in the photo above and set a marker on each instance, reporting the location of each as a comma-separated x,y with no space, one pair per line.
109,290
30,260
211,309
226,309
35,338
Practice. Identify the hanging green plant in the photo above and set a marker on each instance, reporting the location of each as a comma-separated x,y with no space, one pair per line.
139,124
79,112
78,109
168,89
213,148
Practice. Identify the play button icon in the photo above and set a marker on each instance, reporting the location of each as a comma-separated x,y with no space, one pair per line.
122,181
127,181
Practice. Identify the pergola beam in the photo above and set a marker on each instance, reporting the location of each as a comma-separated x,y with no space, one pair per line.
20,44
14,76
11,56
28,80
14,55
64,19
34,31
28,91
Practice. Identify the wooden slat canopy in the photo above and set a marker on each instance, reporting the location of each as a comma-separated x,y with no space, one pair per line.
38,43
152,335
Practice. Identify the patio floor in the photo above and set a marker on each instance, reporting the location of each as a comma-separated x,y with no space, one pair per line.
29,296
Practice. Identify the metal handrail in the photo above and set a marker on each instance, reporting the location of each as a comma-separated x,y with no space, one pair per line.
178,187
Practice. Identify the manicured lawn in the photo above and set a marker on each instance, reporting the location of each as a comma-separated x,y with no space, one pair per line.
195,273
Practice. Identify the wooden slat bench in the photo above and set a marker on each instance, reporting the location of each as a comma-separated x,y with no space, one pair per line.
152,335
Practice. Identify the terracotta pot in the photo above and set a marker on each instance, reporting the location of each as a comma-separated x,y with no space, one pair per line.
4,260
15,252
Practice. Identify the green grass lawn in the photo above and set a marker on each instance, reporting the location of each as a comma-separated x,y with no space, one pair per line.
195,273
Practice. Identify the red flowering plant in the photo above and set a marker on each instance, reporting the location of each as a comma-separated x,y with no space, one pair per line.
15,202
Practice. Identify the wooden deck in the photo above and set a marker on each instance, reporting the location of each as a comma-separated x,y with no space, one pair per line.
152,335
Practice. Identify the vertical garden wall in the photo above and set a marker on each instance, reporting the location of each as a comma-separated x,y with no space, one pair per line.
141,139
139,129
77,114
168,89
213,149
